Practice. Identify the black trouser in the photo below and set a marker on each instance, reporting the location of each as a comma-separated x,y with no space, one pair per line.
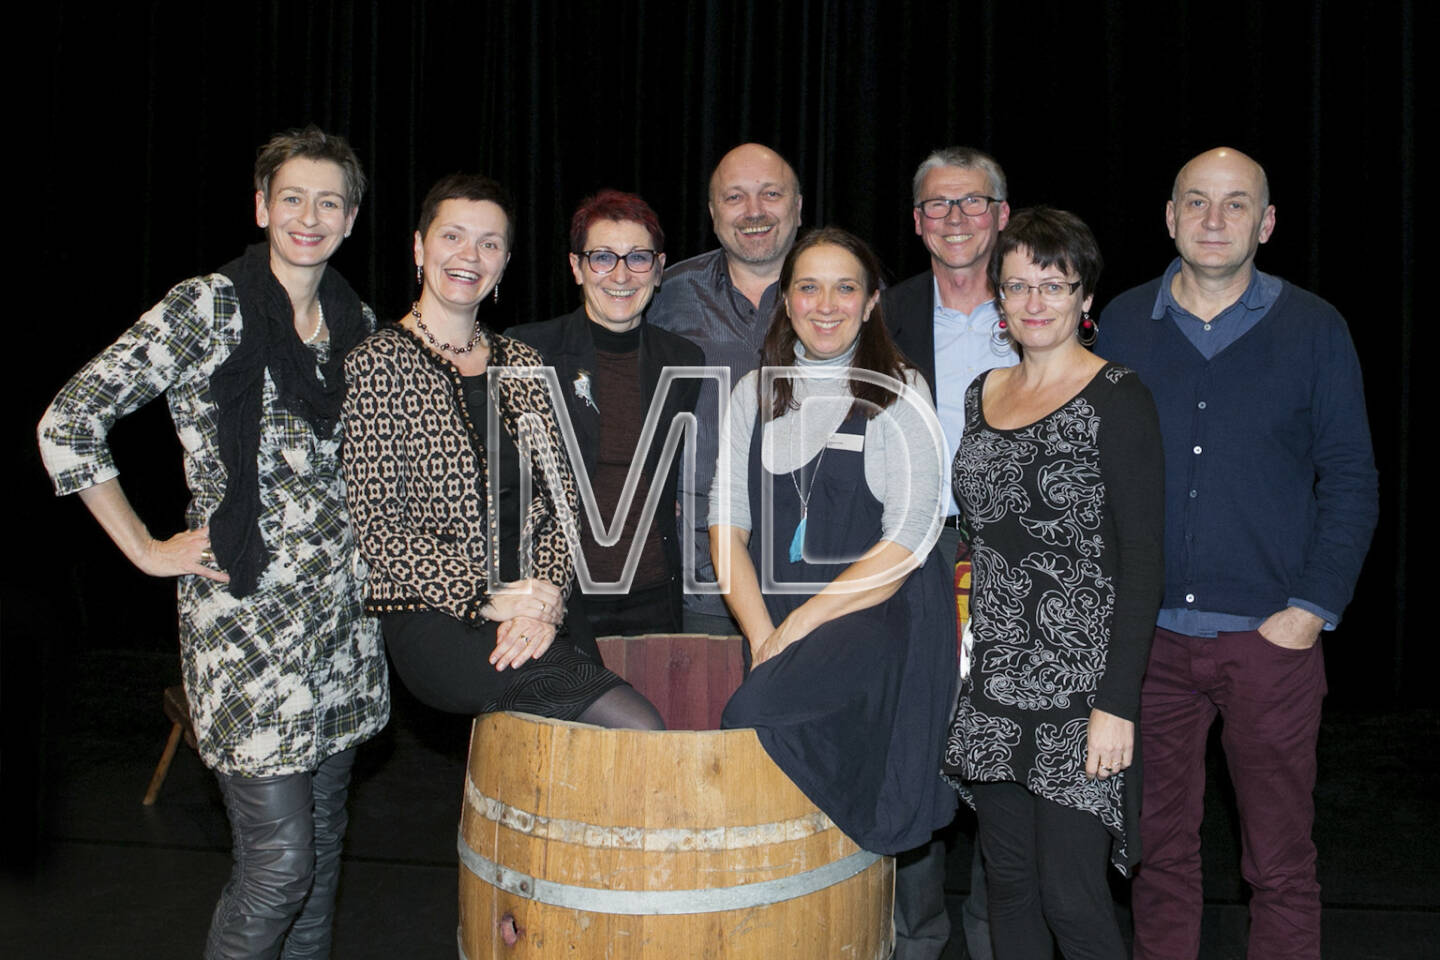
1045,872
648,610
922,925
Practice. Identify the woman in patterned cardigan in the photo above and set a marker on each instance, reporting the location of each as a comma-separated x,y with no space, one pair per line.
443,419
283,673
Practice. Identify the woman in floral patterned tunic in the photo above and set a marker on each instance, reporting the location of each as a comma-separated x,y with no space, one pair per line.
283,673
1059,475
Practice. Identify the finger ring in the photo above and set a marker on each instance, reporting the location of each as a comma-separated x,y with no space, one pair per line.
1103,767
207,556
525,639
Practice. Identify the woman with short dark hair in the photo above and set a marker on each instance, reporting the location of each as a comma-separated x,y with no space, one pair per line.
1059,478
283,674
470,581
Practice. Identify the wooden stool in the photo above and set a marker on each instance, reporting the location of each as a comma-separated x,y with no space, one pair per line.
178,710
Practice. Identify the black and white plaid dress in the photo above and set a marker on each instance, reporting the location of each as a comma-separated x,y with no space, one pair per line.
292,673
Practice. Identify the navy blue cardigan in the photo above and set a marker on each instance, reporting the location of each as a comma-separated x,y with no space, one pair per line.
1270,483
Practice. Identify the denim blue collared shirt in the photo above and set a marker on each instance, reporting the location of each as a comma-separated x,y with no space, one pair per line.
965,347
700,303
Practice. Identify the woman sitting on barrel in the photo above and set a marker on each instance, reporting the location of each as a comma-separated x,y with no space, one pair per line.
850,621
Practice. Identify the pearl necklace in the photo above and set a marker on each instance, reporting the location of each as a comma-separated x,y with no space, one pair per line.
476,336
319,323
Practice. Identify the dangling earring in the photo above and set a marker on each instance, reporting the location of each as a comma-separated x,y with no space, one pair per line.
497,291
1001,336
1088,331
419,274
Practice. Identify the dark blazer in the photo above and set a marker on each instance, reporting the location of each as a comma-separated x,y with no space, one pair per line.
565,343
909,311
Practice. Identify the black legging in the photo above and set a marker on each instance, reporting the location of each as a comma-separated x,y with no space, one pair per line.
1045,872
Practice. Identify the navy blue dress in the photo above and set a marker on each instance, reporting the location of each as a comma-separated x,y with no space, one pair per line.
855,713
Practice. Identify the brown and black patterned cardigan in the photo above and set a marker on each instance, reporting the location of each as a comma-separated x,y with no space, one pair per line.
413,474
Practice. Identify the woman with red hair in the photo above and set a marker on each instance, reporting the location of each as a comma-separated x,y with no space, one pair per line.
609,362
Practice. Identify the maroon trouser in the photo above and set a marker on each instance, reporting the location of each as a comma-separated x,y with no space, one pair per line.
1269,700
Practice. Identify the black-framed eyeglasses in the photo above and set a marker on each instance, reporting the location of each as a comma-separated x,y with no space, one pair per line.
974,205
1052,290
603,261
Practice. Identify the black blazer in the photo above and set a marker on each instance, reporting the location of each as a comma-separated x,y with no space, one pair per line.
565,343
909,311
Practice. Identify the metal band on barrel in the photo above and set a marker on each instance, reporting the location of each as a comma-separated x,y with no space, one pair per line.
661,902
661,839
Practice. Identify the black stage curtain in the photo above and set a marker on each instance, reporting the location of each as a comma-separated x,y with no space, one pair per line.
149,116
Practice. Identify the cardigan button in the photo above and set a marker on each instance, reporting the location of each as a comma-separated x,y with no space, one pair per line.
1197,448
1189,598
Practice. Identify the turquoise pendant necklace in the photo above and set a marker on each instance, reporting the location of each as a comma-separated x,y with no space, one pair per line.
797,542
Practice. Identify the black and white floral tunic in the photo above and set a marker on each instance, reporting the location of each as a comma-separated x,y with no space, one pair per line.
294,672
1067,516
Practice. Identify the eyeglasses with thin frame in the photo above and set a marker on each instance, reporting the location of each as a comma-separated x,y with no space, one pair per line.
973,205
1053,291
603,261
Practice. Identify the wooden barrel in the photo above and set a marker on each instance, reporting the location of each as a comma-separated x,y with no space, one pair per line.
577,841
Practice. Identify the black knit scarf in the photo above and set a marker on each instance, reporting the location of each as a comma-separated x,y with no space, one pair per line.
268,341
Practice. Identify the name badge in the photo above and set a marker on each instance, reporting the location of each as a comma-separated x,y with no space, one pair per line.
846,441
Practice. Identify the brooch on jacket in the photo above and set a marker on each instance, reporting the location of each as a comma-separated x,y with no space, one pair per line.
583,389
